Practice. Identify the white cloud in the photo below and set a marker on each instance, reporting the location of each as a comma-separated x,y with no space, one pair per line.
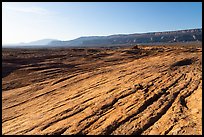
35,10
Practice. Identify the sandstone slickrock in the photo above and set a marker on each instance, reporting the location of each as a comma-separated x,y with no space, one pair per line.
61,91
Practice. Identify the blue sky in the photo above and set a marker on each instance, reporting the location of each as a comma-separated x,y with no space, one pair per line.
25,22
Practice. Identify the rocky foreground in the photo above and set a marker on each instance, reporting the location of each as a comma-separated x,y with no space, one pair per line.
145,90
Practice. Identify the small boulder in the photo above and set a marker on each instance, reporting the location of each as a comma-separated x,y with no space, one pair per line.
138,86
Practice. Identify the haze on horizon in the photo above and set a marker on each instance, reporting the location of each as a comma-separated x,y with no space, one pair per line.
30,21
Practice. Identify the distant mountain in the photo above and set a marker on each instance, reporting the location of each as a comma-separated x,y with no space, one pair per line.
188,35
33,43
153,37
39,42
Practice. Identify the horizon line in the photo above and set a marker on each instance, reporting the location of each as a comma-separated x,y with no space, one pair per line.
103,35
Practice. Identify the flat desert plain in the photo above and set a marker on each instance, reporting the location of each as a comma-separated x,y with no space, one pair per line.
140,90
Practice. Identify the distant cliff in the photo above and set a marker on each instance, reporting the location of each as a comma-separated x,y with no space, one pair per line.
153,37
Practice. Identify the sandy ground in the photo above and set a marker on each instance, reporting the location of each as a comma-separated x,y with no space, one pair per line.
148,91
